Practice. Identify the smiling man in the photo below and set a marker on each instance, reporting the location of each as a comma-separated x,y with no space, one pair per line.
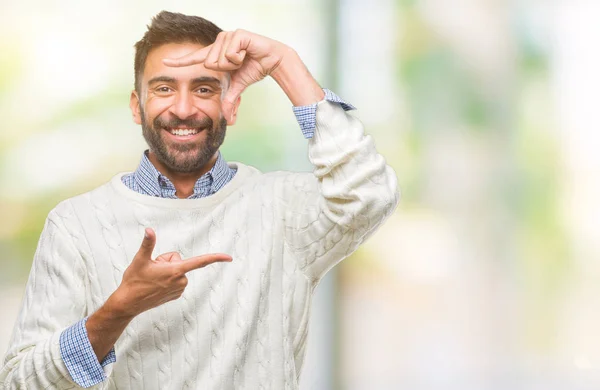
180,112
102,311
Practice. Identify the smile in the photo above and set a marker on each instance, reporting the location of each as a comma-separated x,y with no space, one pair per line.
183,132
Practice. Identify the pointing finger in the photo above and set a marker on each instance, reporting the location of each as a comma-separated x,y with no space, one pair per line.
196,57
202,261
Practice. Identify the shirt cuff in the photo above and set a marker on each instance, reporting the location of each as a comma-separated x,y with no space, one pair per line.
79,357
307,115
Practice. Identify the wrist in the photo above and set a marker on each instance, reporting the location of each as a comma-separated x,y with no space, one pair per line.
296,81
119,306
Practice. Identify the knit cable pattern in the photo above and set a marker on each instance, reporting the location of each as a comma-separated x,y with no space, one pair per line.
185,246
117,258
216,299
263,326
240,256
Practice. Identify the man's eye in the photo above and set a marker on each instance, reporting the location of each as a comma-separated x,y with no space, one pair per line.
204,90
163,89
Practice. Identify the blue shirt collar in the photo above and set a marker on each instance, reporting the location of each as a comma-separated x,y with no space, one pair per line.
153,183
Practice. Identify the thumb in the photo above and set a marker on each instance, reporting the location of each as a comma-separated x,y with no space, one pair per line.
147,244
231,99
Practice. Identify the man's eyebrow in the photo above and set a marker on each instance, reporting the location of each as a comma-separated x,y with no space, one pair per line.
197,80
161,79
206,80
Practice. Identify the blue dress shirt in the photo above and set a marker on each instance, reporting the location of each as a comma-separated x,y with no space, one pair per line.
147,180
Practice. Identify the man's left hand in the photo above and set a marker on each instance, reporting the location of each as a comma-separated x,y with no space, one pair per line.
249,57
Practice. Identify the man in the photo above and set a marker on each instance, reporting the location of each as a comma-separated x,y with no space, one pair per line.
101,311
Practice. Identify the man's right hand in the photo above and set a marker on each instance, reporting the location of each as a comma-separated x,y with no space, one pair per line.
149,283
146,284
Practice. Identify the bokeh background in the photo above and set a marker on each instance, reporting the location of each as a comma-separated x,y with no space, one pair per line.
488,274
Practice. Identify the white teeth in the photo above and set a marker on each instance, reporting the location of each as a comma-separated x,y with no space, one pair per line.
184,131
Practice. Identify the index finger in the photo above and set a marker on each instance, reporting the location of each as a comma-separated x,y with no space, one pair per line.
195,57
196,262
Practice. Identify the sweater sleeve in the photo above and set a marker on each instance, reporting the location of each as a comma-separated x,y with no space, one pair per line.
54,300
329,214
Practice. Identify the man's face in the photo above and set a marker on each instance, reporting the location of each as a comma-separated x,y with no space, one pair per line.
180,110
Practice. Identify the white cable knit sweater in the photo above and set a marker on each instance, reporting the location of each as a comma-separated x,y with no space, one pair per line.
239,325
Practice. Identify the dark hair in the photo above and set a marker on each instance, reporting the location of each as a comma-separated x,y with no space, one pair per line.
171,27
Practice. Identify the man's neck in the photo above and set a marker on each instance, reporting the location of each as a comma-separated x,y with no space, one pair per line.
183,182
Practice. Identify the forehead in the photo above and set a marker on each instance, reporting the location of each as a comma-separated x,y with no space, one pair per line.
154,66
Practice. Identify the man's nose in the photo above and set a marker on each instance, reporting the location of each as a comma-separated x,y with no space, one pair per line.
184,107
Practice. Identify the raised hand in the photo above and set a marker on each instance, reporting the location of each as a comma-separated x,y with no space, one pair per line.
149,283
249,57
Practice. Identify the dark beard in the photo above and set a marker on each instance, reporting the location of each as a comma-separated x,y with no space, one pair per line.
181,158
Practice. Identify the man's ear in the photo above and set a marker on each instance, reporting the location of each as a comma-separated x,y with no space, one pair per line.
134,105
234,110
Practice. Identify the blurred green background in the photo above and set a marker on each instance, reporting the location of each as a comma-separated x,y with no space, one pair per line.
486,276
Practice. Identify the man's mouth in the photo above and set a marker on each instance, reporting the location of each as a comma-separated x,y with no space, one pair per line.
179,131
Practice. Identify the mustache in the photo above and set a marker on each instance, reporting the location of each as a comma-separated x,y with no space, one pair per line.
190,123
